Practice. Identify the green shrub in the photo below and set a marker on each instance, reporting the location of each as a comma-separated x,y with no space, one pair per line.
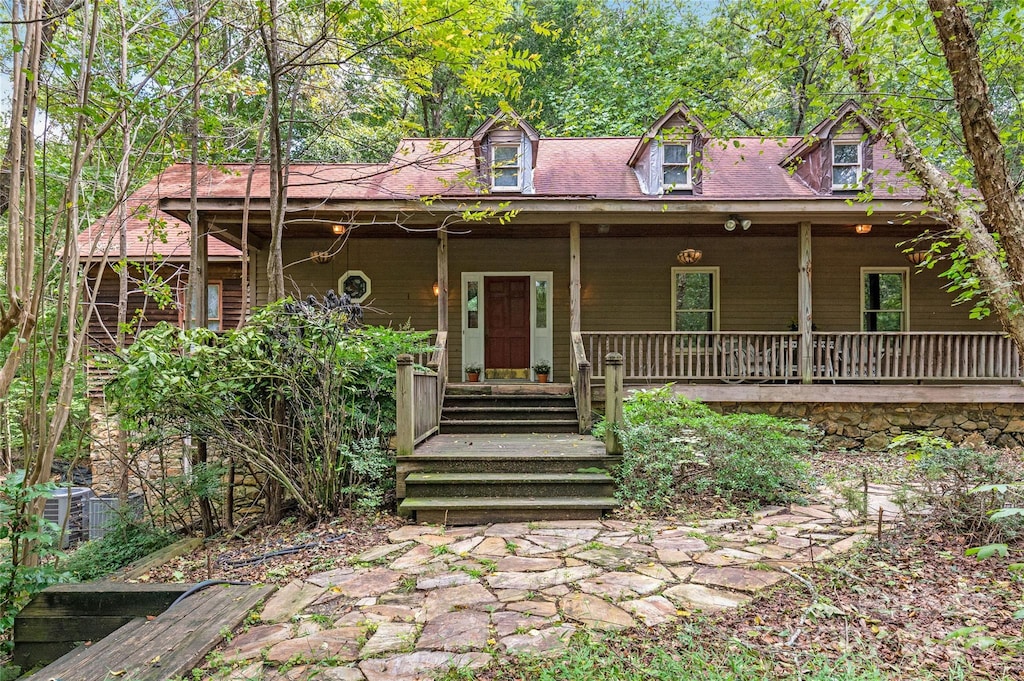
20,577
125,541
946,479
672,445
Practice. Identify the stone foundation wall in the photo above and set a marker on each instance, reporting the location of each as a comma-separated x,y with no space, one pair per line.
872,426
147,471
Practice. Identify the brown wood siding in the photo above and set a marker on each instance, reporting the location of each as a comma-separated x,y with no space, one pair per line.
837,262
103,323
626,281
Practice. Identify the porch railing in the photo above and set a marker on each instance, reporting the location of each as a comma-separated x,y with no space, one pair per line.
419,394
579,372
735,356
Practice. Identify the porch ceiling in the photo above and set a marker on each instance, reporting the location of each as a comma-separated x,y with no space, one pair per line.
550,218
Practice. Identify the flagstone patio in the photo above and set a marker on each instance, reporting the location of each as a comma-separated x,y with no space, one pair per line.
434,598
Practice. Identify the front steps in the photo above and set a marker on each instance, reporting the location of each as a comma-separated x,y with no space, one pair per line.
482,478
506,409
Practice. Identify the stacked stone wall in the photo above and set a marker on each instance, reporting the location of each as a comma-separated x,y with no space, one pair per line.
852,425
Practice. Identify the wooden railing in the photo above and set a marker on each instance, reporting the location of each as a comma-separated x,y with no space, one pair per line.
733,356
419,393
579,372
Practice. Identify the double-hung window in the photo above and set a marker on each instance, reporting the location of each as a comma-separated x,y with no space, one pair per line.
694,298
675,167
847,166
884,299
505,168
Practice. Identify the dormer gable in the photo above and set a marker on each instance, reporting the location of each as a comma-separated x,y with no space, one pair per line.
836,156
667,157
505,147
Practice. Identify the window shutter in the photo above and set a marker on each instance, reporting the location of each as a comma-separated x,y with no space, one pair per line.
696,162
657,172
526,165
484,164
867,159
825,150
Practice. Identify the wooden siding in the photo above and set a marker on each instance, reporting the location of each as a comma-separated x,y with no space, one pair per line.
626,281
103,323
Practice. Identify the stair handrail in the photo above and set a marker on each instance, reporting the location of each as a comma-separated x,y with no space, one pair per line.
439,363
579,369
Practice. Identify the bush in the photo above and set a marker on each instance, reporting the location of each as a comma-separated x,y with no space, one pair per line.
302,394
21,577
672,445
125,541
945,483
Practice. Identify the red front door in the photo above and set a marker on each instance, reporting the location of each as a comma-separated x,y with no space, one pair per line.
507,322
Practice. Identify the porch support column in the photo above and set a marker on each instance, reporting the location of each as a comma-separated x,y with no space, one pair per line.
442,281
574,277
199,276
804,326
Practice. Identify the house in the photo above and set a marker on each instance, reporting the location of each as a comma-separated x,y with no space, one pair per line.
761,274
157,254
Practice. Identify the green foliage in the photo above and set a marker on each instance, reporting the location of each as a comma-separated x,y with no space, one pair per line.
681,656
970,490
125,540
672,445
20,577
298,393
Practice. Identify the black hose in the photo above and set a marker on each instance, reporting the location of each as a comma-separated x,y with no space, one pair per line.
256,560
204,584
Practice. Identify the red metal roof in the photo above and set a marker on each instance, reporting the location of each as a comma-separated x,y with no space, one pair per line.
150,232
594,167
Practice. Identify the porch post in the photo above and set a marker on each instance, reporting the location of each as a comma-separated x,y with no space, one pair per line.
613,415
198,292
442,281
574,277
806,359
405,410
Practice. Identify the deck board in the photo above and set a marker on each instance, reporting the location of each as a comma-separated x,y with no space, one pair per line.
168,646
512,445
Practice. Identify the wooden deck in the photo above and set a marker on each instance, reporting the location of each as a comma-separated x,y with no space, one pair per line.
166,647
526,445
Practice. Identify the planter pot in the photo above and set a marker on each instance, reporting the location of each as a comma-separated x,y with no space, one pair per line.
542,378
473,377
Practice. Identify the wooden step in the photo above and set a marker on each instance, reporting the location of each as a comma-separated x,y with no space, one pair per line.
505,389
494,426
511,401
495,413
529,484
477,510
166,647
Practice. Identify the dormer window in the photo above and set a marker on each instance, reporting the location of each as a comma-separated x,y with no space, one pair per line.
505,168
675,167
847,166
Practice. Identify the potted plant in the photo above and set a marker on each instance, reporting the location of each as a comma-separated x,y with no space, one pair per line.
542,369
473,372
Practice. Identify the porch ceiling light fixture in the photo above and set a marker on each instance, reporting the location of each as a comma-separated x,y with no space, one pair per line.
690,256
436,288
321,257
735,221
917,257
862,229
339,229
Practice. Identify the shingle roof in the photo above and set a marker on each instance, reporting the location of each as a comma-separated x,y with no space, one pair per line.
150,232
596,167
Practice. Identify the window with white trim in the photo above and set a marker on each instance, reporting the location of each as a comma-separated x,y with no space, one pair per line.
694,298
847,166
885,298
675,166
506,172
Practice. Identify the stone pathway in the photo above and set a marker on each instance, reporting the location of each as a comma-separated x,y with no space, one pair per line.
434,598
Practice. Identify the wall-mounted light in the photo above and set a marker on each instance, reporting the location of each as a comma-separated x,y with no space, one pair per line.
690,256
321,257
339,229
436,288
735,221
862,229
917,257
